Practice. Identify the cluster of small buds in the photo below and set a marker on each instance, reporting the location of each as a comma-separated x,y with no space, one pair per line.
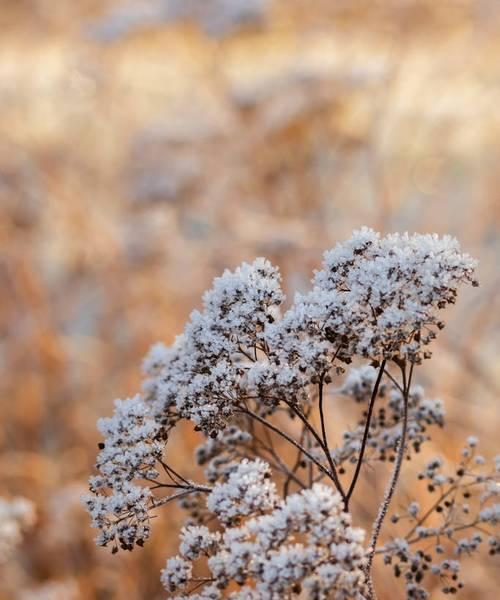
176,574
491,514
130,449
248,490
433,475
464,505
219,455
276,381
374,298
379,297
16,516
198,540
298,345
385,429
160,392
122,517
469,545
415,565
118,507
204,374
327,563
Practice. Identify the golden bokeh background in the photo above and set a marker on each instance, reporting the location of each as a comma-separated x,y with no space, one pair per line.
145,146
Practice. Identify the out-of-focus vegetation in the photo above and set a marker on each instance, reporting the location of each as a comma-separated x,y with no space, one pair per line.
146,146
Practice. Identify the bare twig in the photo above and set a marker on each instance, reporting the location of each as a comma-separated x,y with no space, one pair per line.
366,433
333,471
391,487
285,435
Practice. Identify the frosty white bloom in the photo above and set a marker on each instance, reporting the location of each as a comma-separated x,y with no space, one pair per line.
264,556
374,297
242,303
378,297
130,451
248,490
122,517
283,567
16,516
176,574
333,581
196,540
156,359
202,374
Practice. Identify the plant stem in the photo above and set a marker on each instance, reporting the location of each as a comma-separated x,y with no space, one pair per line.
284,435
391,487
365,434
333,473
325,436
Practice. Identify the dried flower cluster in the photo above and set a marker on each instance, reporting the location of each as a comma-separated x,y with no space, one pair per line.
264,550
251,379
462,506
129,453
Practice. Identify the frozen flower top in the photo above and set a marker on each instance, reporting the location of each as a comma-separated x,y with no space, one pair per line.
375,297
265,551
129,452
247,491
242,303
200,377
378,297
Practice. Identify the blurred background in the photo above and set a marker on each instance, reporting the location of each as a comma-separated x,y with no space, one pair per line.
146,146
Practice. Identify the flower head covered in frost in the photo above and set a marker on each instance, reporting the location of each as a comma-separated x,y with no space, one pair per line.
378,297
247,491
264,555
130,451
202,378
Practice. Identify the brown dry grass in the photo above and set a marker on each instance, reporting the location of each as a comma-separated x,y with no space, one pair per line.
131,173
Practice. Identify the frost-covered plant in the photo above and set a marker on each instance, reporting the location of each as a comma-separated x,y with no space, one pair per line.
252,379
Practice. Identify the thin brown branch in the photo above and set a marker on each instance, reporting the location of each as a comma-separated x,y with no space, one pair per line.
333,473
391,487
366,434
292,441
